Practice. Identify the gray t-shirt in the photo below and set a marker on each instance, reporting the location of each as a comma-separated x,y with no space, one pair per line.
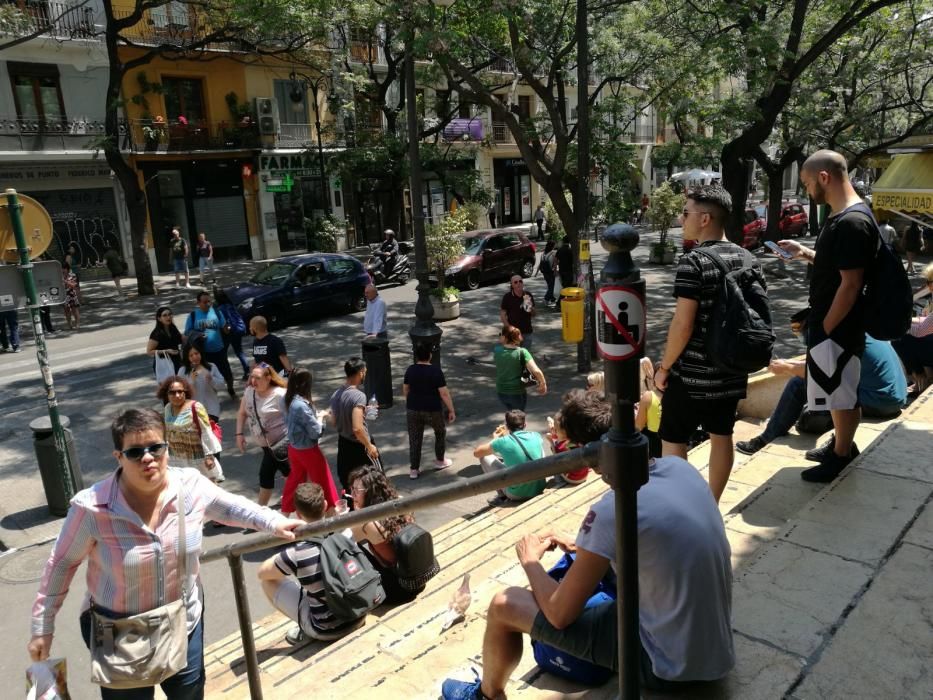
342,403
685,571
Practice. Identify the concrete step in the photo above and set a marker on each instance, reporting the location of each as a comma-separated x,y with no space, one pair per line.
805,560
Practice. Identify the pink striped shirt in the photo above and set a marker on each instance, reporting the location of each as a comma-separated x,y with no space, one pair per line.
922,327
132,569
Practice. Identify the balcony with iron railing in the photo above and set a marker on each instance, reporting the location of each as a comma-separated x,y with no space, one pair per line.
144,135
61,20
57,134
173,26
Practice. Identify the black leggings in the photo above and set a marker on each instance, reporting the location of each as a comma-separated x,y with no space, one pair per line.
417,422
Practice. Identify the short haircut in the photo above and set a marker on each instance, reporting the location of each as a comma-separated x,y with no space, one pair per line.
829,161
354,366
260,322
586,415
514,420
309,501
135,420
422,352
162,391
512,335
716,199
202,294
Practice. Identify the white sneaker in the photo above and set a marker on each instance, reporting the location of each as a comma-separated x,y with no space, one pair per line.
442,463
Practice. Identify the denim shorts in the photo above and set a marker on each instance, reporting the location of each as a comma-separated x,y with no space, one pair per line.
180,264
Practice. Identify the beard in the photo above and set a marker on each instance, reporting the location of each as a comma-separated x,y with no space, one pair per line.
818,194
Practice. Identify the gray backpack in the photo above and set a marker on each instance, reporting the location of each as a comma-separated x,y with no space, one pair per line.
352,587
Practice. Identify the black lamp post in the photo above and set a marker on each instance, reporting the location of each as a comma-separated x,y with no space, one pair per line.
300,85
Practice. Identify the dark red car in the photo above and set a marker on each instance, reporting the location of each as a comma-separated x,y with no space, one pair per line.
752,231
794,221
490,255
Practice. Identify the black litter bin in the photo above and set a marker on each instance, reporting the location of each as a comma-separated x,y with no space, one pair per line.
47,457
378,371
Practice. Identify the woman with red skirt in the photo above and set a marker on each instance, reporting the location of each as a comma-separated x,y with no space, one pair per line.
305,427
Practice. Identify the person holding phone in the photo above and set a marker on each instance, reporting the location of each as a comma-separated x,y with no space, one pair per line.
836,336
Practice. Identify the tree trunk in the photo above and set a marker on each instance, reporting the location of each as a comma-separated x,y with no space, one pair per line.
775,197
735,181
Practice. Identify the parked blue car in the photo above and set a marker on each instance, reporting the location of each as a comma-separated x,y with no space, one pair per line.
299,286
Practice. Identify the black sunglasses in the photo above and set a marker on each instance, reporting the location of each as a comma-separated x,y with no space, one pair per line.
135,454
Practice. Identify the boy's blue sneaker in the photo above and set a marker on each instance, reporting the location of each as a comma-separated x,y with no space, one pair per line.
452,689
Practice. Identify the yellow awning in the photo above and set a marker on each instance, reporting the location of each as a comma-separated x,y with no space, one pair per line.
907,185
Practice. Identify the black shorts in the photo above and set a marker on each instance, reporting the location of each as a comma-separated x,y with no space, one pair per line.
681,414
350,455
268,467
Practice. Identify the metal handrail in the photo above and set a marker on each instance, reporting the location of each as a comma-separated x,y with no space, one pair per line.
528,471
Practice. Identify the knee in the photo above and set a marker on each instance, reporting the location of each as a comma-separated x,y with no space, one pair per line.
270,588
505,605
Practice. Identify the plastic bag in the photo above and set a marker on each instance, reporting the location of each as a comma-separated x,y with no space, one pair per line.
46,680
164,367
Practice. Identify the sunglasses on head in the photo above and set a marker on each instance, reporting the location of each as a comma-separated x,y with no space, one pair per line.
135,454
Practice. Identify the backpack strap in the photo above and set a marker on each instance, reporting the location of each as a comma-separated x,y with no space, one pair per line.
711,254
194,417
519,442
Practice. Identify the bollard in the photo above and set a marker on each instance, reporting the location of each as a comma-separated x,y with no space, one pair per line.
56,490
623,459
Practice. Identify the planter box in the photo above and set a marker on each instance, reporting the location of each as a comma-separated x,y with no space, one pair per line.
663,257
445,310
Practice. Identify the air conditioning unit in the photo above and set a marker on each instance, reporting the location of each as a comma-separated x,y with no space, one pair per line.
266,116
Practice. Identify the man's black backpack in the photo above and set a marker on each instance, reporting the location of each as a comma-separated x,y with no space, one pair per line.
889,301
352,587
739,338
415,563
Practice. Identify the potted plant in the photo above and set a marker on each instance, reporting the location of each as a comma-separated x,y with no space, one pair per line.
444,242
666,206
154,133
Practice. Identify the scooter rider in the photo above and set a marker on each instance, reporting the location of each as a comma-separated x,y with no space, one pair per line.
388,252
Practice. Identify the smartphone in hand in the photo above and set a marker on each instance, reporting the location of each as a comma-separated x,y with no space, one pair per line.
778,249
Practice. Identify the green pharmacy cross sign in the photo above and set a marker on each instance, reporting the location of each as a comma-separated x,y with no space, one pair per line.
280,184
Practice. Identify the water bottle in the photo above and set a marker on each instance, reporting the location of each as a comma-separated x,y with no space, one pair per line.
372,408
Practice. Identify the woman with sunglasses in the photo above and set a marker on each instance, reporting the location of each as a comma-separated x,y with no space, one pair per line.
263,408
165,338
126,527
305,427
188,430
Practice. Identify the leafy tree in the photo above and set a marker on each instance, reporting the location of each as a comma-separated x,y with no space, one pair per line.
666,206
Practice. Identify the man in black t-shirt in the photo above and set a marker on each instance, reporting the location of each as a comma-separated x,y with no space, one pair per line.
268,348
845,248
517,309
696,391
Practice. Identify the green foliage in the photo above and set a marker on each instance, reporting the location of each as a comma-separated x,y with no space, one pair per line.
555,227
666,206
445,293
476,213
444,240
322,234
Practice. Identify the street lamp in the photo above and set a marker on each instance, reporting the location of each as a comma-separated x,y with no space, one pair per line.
299,87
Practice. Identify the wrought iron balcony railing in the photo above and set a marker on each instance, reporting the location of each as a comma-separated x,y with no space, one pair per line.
59,134
62,20
144,135
174,24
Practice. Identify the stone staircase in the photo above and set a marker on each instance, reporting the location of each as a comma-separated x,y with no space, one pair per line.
832,594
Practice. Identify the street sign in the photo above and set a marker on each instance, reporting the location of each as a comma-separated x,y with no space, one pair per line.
49,285
620,322
584,249
37,225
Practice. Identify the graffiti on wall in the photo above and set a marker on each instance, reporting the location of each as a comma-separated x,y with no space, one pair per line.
86,219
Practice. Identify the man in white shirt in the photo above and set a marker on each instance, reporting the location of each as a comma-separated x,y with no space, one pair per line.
374,320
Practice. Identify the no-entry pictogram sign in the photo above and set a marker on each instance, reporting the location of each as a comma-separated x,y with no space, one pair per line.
620,322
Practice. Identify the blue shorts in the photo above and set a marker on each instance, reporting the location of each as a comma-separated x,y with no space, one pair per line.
180,264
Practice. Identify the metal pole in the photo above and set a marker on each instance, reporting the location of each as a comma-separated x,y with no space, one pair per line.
246,626
624,453
581,201
325,194
424,330
32,295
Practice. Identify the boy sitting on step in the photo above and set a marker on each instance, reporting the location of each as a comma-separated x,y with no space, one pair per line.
302,598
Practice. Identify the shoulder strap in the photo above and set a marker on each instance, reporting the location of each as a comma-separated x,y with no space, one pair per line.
182,539
711,254
519,442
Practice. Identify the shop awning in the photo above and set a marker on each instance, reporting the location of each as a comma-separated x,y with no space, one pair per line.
906,187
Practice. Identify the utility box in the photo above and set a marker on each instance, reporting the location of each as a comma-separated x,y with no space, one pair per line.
571,312
47,457
378,370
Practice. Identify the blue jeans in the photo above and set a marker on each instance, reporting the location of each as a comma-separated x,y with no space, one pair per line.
236,342
187,684
514,402
788,409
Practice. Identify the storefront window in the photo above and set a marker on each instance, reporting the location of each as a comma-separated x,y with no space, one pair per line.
295,210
